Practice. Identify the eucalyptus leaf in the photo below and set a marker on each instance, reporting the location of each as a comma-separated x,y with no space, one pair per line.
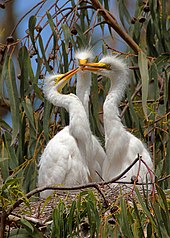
143,67
8,75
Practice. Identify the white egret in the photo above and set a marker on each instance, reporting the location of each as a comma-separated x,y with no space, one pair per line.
83,91
121,146
66,156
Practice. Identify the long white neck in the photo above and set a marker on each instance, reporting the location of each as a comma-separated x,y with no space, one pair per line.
78,122
83,89
110,107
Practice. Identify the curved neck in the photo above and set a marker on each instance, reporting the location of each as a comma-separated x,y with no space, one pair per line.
110,107
79,126
83,88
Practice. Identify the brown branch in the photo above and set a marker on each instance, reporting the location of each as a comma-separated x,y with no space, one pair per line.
114,24
42,2
16,218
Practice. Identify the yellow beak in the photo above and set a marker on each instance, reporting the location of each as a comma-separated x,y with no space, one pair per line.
62,79
82,61
95,66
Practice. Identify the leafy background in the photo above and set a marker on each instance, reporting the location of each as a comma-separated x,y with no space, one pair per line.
55,30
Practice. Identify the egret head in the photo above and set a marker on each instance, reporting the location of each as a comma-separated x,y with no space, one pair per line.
109,66
62,79
84,56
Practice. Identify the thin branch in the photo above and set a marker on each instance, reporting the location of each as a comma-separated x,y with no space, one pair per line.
42,2
16,218
114,24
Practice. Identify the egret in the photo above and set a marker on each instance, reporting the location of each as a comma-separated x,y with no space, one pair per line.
83,91
122,147
66,156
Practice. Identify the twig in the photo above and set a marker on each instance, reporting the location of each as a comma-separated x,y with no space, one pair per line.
42,2
31,219
113,22
164,178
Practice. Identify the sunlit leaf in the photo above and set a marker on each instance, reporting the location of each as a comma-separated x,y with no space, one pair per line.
43,53
143,67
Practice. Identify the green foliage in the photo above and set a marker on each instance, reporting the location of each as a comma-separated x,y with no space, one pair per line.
53,35
132,218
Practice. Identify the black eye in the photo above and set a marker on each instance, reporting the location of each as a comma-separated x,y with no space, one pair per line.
108,66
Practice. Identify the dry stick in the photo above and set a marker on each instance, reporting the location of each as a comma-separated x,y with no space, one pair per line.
113,22
78,187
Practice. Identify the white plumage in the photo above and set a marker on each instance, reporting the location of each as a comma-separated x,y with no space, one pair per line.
66,157
122,148
83,91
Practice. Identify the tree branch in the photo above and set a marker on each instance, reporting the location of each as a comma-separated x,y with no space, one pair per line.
114,24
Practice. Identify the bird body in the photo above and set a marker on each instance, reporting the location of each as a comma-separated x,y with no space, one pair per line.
122,147
63,159
67,155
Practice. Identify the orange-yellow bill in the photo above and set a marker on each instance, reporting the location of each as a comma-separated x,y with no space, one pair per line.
94,66
62,79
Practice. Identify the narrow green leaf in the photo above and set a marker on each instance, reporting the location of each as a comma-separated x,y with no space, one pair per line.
125,225
67,36
132,110
56,228
46,116
153,72
163,197
31,26
147,212
166,220
70,220
83,40
143,68
4,125
52,26
30,177
32,230
19,233
23,61
106,4
167,159
27,224
65,56
151,40
8,74
138,219
4,162
29,111
149,230
43,53
13,162
51,23
22,145
160,226
94,109
123,13
162,60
